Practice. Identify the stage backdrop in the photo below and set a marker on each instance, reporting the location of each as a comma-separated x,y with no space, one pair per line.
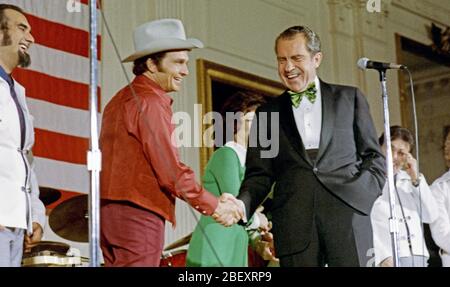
57,89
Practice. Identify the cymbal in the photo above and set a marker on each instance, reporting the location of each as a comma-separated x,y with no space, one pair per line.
48,195
180,242
57,247
70,219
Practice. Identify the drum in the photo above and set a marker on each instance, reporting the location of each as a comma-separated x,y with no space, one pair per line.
50,254
174,259
49,259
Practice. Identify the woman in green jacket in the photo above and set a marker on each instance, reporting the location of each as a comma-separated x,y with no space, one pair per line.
213,245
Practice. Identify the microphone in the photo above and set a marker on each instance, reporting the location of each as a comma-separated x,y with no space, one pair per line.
364,63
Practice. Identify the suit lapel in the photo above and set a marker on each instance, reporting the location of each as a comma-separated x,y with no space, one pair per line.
287,122
328,118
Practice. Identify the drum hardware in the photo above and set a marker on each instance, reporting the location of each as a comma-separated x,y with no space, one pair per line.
56,247
50,259
51,254
174,259
180,242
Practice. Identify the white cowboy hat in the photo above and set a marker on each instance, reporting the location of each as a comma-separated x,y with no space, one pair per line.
161,35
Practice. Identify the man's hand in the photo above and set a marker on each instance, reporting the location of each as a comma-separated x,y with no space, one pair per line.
1,227
229,211
388,262
31,241
265,247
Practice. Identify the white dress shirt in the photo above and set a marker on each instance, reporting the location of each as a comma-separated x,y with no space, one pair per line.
308,118
440,228
240,151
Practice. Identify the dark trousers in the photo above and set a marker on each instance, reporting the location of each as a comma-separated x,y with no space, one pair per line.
130,235
340,235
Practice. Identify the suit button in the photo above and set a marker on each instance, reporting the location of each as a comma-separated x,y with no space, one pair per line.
315,170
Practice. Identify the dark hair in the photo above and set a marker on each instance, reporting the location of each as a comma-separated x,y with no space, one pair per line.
3,18
3,7
312,39
398,132
241,101
140,65
446,132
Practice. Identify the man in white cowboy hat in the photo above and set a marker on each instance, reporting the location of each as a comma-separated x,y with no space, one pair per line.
141,171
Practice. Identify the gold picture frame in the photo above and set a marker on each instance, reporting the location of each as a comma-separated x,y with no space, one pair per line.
211,76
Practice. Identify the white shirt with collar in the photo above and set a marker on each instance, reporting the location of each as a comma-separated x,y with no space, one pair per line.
240,151
308,118
409,197
440,228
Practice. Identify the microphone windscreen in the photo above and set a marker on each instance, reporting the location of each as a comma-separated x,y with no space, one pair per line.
362,63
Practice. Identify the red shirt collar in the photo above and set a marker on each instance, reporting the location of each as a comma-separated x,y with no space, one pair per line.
152,85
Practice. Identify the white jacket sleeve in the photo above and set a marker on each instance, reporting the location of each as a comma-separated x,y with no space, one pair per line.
422,194
37,207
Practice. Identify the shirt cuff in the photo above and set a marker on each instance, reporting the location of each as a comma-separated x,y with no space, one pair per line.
40,220
256,222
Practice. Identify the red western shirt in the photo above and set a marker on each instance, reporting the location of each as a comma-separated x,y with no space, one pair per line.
140,163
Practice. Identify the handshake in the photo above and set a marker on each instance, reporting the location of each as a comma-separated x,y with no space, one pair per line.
229,211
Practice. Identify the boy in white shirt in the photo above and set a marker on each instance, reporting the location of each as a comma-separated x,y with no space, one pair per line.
414,206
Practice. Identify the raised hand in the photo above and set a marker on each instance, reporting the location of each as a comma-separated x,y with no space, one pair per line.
410,167
229,210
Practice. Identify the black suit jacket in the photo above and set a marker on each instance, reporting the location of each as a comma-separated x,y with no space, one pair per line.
349,164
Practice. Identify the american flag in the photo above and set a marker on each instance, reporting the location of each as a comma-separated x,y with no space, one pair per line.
57,89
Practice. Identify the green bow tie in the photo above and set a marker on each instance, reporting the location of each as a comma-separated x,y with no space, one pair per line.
309,93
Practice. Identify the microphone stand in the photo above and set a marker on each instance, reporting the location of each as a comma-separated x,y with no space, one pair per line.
393,221
94,155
